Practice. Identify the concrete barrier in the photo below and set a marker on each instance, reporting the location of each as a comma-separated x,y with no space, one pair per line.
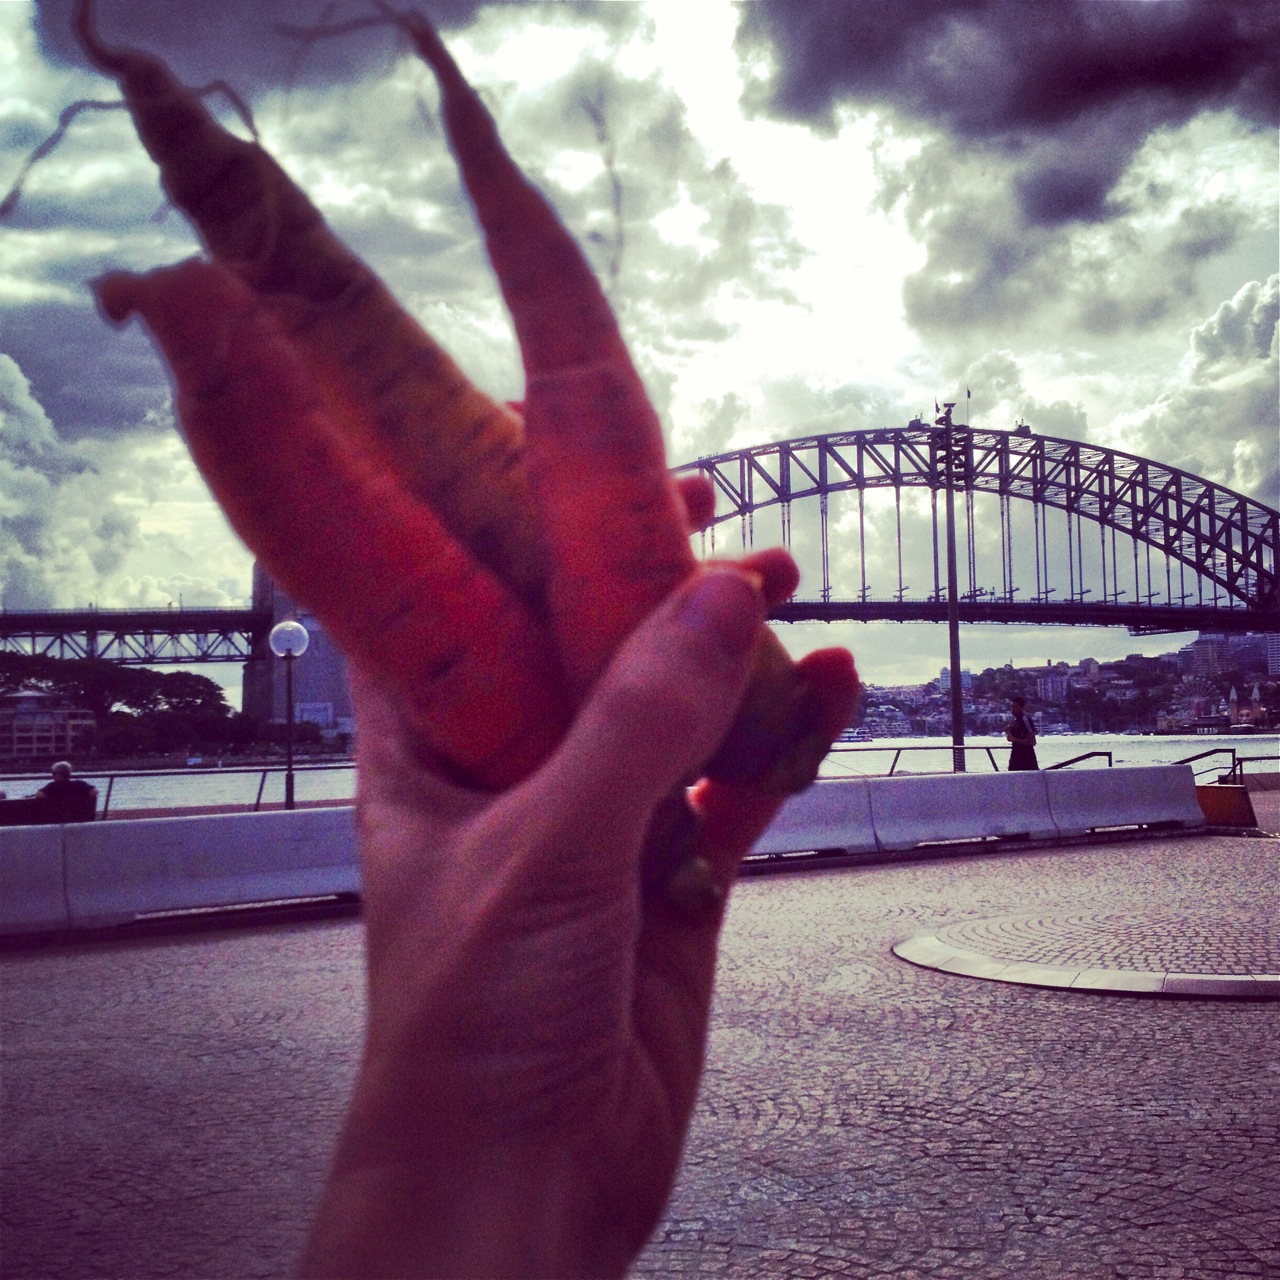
33,895
1128,796
117,871
1226,806
959,806
832,814
109,873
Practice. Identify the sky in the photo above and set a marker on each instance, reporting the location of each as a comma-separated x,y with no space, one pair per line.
811,215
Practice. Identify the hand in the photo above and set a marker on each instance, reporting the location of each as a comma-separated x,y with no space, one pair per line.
536,1022
523,611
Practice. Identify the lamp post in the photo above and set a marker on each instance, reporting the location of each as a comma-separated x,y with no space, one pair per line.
288,640
954,467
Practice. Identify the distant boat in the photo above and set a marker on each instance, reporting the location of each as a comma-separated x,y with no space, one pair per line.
856,735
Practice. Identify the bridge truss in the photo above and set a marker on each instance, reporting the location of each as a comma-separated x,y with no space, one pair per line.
1156,548
139,637
1117,539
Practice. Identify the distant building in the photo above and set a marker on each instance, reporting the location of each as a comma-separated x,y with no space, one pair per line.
1052,688
1273,654
944,679
320,692
35,725
1247,652
1205,657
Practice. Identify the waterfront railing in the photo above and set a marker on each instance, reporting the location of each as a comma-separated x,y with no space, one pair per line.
951,751
182,788
195,776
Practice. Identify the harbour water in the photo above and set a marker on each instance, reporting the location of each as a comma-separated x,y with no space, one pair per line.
203,787
208,787
876,757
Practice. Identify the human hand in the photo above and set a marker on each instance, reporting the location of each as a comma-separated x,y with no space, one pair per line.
536,1021
511,610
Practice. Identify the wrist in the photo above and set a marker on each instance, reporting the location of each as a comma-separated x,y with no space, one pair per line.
425,1197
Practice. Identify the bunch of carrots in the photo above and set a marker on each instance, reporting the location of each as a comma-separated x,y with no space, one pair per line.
491,561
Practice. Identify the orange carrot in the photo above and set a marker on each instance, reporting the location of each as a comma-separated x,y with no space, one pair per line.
478,673
385,380
612,516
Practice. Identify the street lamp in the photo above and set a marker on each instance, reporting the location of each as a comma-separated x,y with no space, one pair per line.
288,640
954,468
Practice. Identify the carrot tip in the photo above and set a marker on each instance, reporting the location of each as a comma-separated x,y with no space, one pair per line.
102,56
117,295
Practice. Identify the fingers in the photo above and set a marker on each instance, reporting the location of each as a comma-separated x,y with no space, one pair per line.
733,816
659,709
699,498
676,950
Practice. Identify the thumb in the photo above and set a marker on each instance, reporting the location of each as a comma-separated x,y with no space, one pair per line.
664,702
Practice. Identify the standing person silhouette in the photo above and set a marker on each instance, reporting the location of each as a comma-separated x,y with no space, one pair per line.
1021,733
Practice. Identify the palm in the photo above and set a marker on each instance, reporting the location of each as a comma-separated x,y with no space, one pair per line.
544,997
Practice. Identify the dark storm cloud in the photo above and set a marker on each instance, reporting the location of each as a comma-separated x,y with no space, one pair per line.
91,382
987,270
238,39
1033,79
1007,135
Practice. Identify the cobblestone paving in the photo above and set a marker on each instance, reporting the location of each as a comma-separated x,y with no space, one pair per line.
1189,940
864,1117
168,1103
1266,808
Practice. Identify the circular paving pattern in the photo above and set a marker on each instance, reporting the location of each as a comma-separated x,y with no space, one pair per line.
1169,953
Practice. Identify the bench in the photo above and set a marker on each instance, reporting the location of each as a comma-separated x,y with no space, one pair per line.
36,812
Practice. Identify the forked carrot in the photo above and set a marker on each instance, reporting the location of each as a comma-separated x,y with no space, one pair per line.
385,380
479,675
324,384
612,517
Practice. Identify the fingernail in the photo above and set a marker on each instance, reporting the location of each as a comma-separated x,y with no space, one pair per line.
727,606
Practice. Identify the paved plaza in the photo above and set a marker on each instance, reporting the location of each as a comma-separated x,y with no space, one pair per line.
169,1101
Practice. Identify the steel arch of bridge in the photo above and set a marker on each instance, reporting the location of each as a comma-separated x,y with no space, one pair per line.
1227,539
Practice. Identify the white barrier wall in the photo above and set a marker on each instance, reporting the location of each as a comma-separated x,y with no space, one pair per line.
832,814
1084,801
90,875
117,871
959,806
897,814
33,895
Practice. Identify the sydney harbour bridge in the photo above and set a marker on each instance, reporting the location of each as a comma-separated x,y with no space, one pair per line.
1028,528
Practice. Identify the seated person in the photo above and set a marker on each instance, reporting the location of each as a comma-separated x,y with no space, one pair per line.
68,791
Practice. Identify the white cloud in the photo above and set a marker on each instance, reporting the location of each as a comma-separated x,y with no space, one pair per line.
1219,418
773,279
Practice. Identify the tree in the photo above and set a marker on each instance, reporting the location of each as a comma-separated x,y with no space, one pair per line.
187,691
92,683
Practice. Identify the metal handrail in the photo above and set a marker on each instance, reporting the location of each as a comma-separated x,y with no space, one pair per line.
1088,755
897,753
1204,755
110,778
1238,771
